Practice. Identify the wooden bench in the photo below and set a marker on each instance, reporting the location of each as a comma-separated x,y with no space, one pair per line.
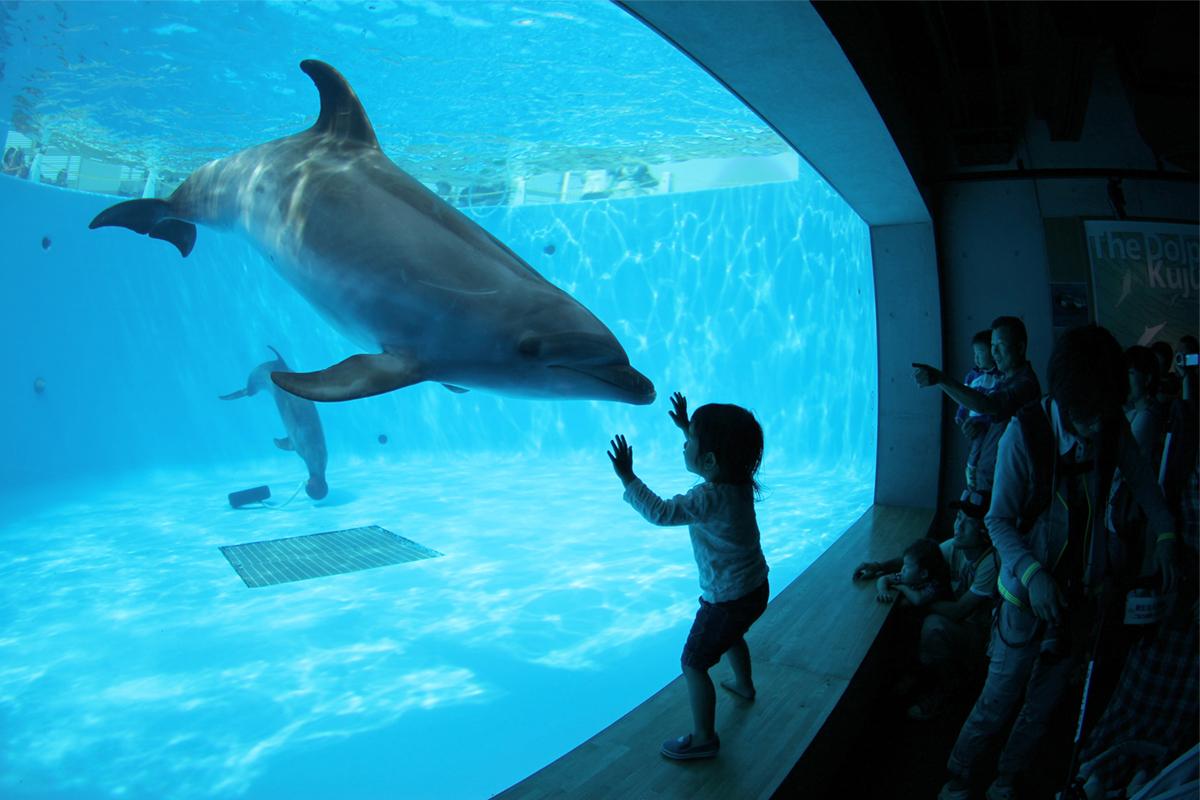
806,649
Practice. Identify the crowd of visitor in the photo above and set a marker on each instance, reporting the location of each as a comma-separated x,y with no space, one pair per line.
1059,604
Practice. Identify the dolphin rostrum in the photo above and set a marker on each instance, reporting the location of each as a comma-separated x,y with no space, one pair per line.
430,294
305,436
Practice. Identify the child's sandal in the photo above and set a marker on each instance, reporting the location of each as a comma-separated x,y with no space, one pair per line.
681,749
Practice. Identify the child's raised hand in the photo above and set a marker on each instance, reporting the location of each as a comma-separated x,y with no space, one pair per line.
621,458
678,412
883,592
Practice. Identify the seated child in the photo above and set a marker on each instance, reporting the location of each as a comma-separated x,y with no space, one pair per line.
924,576
954,633
724,447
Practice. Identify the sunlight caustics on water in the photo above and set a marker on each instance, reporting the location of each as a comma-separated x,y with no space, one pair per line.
134,662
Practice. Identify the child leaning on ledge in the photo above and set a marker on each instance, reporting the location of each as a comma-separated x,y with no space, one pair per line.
923,578
724,446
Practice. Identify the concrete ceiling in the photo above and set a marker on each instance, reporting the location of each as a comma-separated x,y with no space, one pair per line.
959,83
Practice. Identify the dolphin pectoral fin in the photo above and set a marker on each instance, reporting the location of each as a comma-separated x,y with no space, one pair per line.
285,444
257,381
456,389
278,357
149,217
358,376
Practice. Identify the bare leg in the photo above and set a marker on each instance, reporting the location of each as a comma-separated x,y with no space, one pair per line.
739,661
703,698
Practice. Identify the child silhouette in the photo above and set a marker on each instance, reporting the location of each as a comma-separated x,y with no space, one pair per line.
724,447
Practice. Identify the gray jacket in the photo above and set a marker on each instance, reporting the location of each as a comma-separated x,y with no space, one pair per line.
1023,555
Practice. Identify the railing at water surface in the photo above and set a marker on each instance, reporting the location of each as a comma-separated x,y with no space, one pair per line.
85,173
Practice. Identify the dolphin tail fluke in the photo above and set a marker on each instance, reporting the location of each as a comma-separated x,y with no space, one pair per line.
177,232
149,217
357,376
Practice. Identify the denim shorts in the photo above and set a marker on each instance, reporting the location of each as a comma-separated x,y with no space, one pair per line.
719,626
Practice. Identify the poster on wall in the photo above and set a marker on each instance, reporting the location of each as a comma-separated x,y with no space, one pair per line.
1144,279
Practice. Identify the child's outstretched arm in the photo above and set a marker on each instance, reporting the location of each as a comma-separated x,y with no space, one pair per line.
868,570
622,459
682,509
678,412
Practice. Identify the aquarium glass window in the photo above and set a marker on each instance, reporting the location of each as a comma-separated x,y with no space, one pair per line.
138,393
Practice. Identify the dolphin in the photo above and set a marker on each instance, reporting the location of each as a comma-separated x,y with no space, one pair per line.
305,436
426,292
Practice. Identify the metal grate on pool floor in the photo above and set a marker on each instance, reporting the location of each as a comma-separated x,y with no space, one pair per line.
318,555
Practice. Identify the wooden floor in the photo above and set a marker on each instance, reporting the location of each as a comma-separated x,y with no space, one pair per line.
805,649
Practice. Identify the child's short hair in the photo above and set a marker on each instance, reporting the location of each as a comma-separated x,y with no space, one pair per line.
928,556
733,435
983,337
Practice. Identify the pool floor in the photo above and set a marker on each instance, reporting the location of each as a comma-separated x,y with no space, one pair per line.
135,663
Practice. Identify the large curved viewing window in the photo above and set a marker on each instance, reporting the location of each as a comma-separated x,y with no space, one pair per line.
139,664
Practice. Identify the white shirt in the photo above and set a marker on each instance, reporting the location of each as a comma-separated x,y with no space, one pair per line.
725,539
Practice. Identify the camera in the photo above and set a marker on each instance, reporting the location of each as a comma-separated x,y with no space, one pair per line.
1187,359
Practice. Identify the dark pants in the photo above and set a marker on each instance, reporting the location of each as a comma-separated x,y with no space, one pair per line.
719,626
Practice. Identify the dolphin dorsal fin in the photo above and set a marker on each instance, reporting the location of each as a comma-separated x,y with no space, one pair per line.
342,115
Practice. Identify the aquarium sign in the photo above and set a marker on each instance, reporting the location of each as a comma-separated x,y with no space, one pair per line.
1146,278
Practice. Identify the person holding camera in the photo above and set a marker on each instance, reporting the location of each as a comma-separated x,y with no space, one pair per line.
1152,715
1053,462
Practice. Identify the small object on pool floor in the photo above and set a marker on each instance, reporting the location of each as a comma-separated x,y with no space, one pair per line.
39,385
247,496
46,242
383,438
318,555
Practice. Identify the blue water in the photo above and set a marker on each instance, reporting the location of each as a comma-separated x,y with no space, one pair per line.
457,91
133,661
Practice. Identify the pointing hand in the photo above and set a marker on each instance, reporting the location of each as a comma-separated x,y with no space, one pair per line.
926,375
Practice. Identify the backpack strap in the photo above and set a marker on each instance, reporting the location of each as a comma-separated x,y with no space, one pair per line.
1034,419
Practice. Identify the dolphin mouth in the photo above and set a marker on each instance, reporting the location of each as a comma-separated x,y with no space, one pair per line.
635,387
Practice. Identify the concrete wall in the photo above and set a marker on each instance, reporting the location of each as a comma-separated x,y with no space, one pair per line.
992,237
907,315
